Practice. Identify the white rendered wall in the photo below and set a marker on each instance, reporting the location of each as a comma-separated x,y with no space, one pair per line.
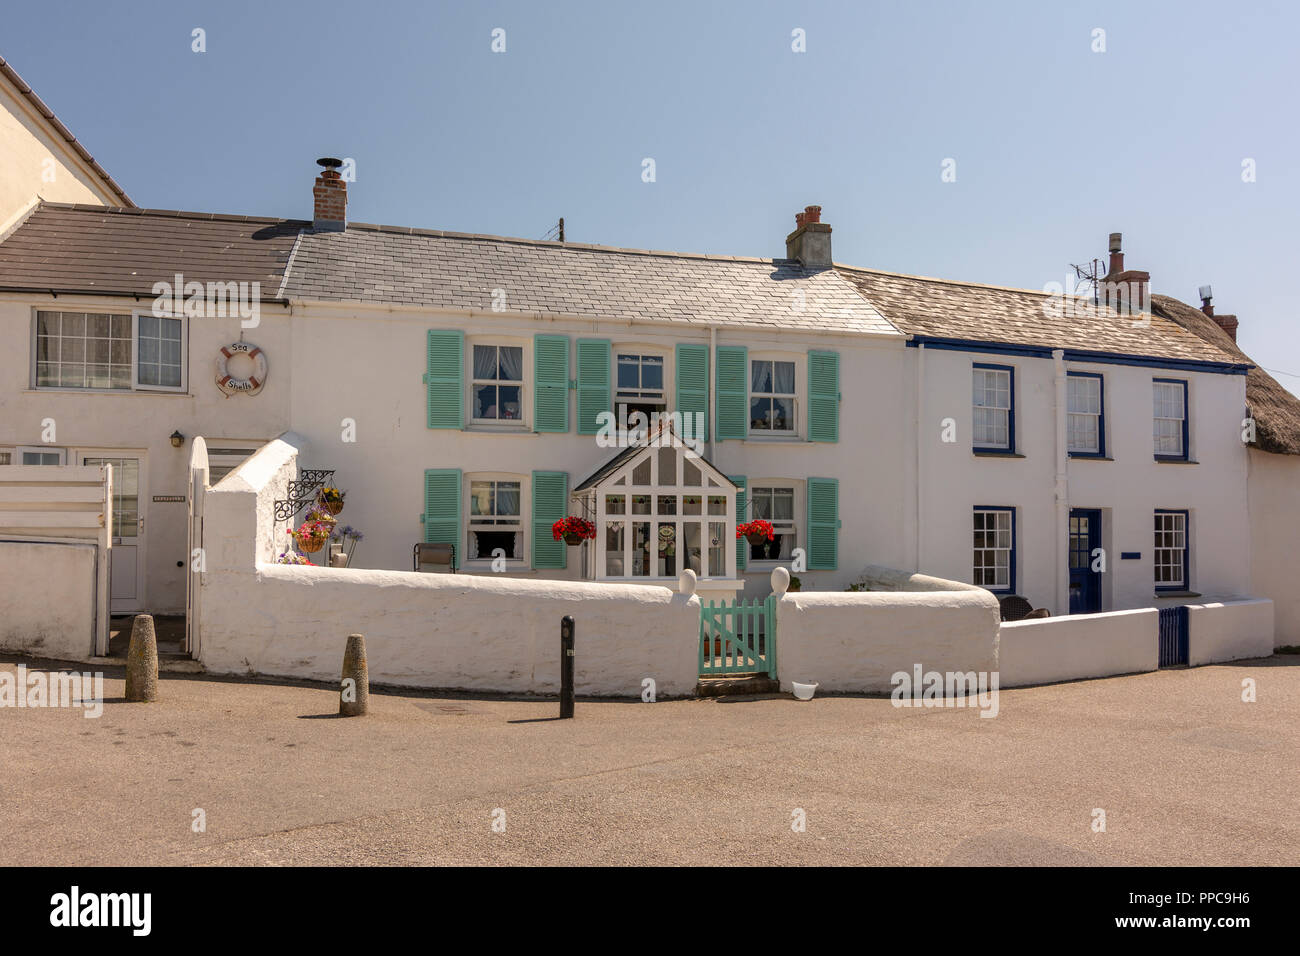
38,161
47,592
1229,631
422,630
1274,490
1128,489
383,469
854,642
1048,650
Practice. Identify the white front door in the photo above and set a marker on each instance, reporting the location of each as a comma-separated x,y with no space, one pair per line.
125,570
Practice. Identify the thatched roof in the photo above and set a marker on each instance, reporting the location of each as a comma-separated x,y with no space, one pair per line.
1275,410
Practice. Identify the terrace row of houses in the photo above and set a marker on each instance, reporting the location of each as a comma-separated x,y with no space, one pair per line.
1087,456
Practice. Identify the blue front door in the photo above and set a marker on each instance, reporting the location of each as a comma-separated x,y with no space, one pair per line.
1085,539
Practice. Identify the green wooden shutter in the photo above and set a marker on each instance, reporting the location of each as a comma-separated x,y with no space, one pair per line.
742,546
823,396
693,386
443,379
593,383
823,524
733,391
442,497
551,383
550,504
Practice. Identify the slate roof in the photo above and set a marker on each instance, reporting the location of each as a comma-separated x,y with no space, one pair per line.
72,247
943,308
383,264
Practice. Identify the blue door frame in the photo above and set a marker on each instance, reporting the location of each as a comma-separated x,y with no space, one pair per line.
1085,583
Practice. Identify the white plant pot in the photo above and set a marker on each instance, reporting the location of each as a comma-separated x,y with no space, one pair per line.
803,691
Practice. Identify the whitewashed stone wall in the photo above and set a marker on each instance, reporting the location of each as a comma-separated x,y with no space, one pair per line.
1053,649
422,630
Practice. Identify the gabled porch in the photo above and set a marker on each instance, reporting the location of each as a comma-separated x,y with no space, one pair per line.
660,508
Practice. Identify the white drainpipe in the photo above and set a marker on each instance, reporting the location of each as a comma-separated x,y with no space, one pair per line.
920,474
713,393
1062,603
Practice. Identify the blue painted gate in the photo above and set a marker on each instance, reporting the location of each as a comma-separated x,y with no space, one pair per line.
1173,636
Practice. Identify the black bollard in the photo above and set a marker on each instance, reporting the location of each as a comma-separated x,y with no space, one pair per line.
566,666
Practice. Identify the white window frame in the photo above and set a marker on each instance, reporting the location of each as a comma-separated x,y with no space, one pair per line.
790,527
42,449
525,384
1071,383
134,379
1178,522
800,363
471,561
996,586
216,454
1183,429
1008,410
136,384
641,352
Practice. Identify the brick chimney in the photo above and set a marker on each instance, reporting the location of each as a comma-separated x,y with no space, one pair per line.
331,192
810,242
1125,290
1226,322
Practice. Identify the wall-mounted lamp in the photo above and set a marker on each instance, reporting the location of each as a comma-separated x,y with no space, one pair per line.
177,439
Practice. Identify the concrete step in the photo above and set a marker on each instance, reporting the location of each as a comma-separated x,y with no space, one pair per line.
166,664
734,684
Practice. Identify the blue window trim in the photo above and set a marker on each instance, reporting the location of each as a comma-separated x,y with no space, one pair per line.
1186,455
1011,412
1011,568
1080,356
1101,419
1187,550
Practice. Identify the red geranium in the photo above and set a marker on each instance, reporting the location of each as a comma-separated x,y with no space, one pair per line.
571,525
757,526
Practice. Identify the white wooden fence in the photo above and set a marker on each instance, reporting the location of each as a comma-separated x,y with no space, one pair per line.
56,534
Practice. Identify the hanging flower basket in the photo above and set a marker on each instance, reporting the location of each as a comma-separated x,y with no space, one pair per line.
573,530
318,515
756,531
331,499
312,535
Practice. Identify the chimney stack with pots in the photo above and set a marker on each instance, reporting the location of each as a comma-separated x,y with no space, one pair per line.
1125,290
331,194
810,243
1226,322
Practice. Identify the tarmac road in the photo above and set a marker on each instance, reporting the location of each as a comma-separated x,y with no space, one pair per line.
1185,771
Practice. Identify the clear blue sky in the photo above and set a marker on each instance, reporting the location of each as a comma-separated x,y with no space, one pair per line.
1055,145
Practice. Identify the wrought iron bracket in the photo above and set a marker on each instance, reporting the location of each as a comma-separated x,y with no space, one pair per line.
302,492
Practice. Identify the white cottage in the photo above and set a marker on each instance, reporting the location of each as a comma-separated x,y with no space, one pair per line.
461,388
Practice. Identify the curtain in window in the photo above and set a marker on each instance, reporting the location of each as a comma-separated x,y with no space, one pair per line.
784,374
512,363
485,361
508,498
760,377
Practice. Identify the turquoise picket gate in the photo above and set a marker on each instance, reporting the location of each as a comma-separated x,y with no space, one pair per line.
738,638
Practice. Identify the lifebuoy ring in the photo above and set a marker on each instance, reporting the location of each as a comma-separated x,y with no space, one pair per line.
246,386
